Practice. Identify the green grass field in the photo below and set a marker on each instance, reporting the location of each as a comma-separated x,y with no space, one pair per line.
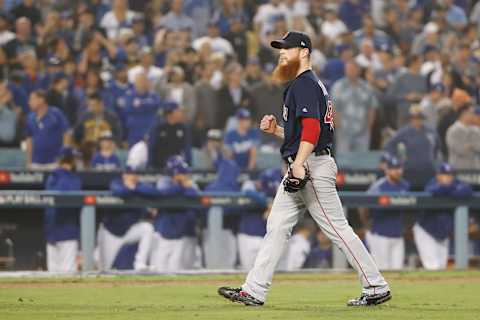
416,295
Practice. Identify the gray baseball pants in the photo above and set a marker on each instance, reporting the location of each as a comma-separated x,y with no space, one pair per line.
321,199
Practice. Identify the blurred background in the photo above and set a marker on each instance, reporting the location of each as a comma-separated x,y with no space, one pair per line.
162,98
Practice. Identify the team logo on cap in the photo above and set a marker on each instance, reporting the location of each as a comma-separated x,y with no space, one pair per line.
285,113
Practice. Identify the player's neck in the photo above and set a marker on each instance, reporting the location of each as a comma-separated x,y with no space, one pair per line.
303,67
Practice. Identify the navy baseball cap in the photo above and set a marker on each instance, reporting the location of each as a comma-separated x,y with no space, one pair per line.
438,87
393,163
243,113
170,106
67,152
445,168
385,157
130,170
293,39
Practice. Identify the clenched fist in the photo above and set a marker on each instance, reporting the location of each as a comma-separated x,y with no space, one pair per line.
268,124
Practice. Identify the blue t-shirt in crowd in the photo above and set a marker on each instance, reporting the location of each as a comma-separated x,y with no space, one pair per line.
47,134
140,114
241,145
387,222
101,162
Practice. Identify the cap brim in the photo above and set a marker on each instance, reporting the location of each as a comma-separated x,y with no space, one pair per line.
280,44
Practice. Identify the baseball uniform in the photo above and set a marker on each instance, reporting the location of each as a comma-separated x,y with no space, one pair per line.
385,238
306,96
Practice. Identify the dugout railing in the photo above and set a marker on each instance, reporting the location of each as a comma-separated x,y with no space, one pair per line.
213,203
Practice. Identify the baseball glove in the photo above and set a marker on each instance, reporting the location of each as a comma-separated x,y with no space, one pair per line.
293,184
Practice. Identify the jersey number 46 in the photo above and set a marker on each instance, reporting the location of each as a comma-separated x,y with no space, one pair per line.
328,119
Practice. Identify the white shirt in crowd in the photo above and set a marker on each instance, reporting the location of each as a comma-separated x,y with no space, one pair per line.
217,44
332,29
154,74
112,25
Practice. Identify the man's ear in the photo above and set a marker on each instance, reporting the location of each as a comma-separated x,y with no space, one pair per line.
304,53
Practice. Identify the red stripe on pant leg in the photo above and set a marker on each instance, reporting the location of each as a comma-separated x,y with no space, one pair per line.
338,234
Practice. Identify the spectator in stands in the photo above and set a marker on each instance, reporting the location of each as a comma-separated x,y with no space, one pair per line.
253,72
332,27
154,74
142,105
22,42
459,99
175,19
267,95
98,52
95,122
355,104
169,136
463,140
59,96
456,16
238,37
116,91
8,117
368,31
243,140
119,17
180,91
207,106
232,96
433,228
266,11
137,157
47,130
407,89
352,11
214,40
105,159
368,58
175,238
128,226
335,67
433,103
61,225
385,235
417,146
5,34
141,35
27,9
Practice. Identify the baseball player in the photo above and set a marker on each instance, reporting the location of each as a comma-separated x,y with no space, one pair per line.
433,229
128,226
62,228
310,181
385,237
174,238
252,226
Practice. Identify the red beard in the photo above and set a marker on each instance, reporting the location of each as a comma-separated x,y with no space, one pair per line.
288,72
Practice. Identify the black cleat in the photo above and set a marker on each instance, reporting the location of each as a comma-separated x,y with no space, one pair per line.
237,295
228,293
370,299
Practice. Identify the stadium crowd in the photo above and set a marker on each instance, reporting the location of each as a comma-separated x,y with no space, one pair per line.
163,77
